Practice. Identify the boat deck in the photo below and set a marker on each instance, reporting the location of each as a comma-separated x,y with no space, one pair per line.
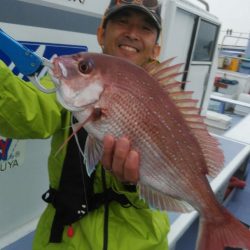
25,243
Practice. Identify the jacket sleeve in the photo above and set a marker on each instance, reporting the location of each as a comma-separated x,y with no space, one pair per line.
25,111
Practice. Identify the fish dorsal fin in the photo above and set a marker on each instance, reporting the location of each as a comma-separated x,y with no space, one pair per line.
165,75
154,65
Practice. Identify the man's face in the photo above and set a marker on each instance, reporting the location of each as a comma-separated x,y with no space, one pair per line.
130,34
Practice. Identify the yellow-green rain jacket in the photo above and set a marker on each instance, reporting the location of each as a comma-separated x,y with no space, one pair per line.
26,113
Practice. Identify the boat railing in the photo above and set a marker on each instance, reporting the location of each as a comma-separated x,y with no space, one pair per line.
230,34
206,4
232,50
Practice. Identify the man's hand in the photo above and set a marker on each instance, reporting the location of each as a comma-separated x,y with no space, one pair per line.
119,159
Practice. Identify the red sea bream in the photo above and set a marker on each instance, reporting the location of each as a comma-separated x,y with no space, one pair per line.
109,95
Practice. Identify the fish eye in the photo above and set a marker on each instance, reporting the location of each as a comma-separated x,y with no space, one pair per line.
85,66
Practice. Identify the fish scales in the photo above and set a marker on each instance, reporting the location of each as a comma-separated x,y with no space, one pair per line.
167,155
162,123
136,117
150,126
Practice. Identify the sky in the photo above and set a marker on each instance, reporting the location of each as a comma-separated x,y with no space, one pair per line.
233,14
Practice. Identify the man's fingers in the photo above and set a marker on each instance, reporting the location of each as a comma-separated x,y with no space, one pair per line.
131,167
122,148
120,159
108,150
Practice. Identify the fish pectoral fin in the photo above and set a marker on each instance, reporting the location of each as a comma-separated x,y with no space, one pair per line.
92,153
162,201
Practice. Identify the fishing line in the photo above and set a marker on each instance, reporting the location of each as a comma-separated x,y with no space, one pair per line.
81,156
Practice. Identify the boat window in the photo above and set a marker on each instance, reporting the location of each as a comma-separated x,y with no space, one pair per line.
205,42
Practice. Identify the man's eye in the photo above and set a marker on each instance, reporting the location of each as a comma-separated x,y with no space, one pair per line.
124,21
147,28
121,20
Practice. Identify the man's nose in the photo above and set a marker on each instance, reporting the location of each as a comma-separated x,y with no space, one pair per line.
132,32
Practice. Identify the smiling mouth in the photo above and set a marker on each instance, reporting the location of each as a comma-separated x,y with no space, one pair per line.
129,48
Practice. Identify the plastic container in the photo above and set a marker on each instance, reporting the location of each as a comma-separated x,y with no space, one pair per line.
245,67
221,62
233,65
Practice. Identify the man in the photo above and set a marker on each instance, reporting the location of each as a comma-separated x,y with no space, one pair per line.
102,211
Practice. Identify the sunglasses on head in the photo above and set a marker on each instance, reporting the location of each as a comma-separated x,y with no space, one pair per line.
150,4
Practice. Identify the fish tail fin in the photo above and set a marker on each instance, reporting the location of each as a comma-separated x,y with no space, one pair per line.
225,232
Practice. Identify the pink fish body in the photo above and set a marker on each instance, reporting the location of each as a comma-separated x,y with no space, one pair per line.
109,95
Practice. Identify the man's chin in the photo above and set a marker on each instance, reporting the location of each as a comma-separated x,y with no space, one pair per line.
130,57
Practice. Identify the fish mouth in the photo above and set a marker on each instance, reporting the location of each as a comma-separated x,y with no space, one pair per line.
57,77
63,70
57,73
59,70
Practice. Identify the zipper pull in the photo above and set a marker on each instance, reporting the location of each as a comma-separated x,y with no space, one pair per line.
70,231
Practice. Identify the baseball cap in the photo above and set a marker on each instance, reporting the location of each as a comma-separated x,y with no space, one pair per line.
151,8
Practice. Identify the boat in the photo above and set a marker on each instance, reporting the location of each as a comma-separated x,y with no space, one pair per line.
196,44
